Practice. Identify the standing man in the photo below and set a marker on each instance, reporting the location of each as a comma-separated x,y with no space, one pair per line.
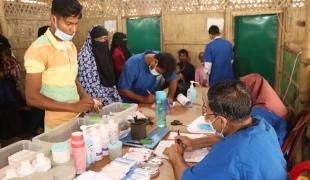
218,57
142,74
51,68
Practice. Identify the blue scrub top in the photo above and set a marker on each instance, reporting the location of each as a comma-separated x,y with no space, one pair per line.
251,153
219,52
137,77
279,124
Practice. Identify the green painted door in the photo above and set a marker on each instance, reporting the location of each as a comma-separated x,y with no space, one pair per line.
143,34
256,45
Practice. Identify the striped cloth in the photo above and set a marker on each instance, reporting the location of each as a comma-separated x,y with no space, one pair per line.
57,61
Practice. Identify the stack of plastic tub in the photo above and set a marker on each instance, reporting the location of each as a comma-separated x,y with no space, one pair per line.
61,133
118,111
16,147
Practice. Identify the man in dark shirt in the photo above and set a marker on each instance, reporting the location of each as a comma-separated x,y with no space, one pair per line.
187,69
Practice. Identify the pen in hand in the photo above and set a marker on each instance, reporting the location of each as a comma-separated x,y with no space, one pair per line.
178,140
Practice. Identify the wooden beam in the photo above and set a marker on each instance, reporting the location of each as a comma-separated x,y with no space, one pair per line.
304,85
3,24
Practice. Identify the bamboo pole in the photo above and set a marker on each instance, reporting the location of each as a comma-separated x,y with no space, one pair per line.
306,48
3,24
304,84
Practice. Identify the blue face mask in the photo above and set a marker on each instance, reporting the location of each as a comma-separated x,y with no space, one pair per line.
61,35
209,127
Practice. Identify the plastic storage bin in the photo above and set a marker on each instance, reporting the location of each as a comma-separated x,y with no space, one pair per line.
118,111
61,133
16,147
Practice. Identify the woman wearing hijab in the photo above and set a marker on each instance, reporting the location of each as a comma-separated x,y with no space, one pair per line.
120,52
96,68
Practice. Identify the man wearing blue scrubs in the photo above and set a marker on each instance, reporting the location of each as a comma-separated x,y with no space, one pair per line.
218,57
142,75
249,148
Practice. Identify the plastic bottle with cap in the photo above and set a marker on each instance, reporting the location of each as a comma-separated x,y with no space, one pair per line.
78,151
192,93
10,173
25,168
160,103
104,139
113,130
89,147
95,137
41,163
60,152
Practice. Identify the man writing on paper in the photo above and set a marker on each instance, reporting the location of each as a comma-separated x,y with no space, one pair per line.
248,144
142,74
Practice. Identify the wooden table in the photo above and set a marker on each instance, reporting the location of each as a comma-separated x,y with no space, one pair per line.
185,115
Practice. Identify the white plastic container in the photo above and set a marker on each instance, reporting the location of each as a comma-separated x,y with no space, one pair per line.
95,137
41,163
183,100
61,133
16,147
118,111
104,139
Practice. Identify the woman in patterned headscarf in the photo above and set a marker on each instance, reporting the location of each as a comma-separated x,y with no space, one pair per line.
96,68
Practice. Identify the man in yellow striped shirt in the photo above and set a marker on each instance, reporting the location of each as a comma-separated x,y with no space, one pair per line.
51,68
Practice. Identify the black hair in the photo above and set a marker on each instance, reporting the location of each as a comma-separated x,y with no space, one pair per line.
167,62
120,40
42,30
230,99
183,51
66,8
5,45
214,30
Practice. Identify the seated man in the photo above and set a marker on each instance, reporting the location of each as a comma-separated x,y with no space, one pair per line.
249,149
187,69
142,74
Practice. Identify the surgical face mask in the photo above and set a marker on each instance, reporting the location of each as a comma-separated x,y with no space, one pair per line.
61,35
209,127
153,71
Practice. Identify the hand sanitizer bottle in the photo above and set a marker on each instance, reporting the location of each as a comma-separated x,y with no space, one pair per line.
192,93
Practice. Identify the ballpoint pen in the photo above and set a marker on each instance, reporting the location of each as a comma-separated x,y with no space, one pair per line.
179,140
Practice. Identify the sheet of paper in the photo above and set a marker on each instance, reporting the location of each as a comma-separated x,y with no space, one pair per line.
172,135
191,156
216,21
194,128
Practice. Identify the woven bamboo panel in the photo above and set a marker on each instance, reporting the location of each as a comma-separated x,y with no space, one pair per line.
294,33
182,20
191,32
140,7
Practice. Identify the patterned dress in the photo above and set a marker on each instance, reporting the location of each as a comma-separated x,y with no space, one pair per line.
89,76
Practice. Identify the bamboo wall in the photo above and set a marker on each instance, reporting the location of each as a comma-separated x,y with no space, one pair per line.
183,25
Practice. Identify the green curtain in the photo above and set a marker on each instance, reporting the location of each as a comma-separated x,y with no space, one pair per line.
256,45
143,34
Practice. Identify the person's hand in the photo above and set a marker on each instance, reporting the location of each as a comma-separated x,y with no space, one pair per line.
97,105
84,105
149,99
174,152
187,143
